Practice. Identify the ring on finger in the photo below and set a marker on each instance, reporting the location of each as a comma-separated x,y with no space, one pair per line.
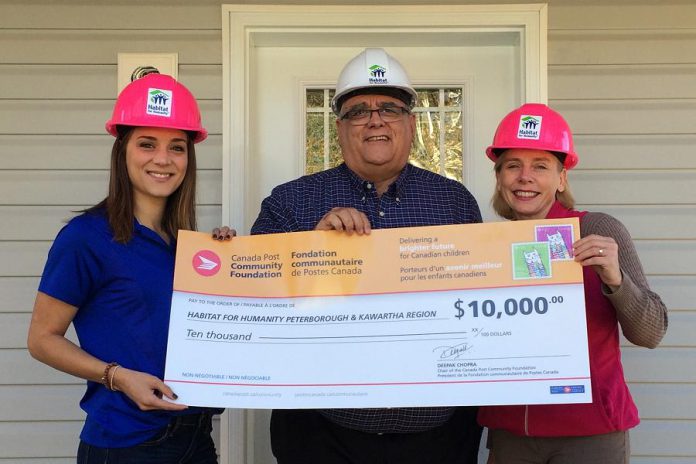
601,251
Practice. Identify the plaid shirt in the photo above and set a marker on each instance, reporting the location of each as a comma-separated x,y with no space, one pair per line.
417,198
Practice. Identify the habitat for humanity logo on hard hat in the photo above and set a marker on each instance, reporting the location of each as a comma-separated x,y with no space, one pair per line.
530,127
159,102
377,74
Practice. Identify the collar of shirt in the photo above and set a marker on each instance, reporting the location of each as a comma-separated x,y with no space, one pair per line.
149,234
395,190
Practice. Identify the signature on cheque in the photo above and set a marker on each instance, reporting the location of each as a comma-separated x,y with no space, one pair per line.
453,352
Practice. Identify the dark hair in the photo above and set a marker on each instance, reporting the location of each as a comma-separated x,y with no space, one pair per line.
394,92
180,210
503,209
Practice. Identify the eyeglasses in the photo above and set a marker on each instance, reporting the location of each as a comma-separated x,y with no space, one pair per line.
361,116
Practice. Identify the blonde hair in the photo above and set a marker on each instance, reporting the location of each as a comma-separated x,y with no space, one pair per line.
503,209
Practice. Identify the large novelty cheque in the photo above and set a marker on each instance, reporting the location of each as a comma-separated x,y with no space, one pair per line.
473,314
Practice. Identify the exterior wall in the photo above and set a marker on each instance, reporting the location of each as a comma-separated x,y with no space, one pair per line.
57,88
624,78
621,71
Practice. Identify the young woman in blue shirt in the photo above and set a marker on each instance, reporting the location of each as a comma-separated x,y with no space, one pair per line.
110,273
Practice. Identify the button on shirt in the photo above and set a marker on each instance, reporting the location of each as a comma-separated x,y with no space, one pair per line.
417,198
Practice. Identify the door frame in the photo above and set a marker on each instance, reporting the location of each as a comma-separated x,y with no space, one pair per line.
247,26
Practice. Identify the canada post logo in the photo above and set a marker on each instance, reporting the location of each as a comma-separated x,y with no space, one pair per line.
206,263
159,102
566,389
530,127
377,74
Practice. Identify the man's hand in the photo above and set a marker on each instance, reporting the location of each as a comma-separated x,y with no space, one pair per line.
348,220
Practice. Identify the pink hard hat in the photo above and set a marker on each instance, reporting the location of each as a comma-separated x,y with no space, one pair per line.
157,100
535,126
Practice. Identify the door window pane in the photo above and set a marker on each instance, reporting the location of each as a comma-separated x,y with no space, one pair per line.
321,142
425,152
453,97
315,98
454,166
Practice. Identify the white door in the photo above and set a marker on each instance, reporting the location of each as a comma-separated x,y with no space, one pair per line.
488,74
264,145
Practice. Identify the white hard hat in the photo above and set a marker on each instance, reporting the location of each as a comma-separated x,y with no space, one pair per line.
373,68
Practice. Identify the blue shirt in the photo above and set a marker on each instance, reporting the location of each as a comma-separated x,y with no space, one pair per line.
417,198
123,294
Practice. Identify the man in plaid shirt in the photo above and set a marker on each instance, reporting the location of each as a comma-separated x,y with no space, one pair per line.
375,188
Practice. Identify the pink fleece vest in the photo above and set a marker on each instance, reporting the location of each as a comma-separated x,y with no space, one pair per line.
612,408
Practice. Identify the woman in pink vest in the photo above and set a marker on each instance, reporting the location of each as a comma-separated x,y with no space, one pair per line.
532,150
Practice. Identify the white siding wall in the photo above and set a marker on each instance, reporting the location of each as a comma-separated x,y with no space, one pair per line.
621,71
57,88
626,80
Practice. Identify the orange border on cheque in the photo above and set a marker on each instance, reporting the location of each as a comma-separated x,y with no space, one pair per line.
400,260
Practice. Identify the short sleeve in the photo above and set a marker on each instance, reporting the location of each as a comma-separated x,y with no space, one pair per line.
72,269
